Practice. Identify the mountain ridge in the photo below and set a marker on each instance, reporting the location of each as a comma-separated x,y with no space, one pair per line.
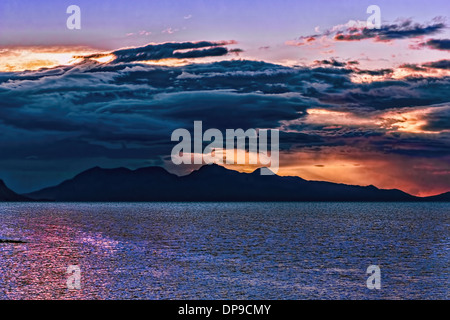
209,183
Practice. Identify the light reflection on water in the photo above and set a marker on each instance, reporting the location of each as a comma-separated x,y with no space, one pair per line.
225,250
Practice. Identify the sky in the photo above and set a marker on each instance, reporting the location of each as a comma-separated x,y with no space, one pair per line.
353,105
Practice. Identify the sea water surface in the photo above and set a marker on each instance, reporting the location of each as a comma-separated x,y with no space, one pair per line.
224,250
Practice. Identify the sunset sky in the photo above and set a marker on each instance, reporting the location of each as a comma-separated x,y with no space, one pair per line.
353,105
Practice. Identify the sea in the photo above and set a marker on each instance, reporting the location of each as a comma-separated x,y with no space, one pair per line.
246,250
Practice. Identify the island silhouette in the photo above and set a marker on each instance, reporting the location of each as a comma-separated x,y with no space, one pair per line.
209,183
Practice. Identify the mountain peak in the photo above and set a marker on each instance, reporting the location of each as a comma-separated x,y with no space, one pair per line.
211,169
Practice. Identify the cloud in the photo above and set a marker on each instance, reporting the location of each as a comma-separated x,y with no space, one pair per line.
425,67
441,64
412,67
169,30
438,44
331,62
402,30
34,58
174,50
358,30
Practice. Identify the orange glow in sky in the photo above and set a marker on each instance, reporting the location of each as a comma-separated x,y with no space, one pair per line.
411,120
34,58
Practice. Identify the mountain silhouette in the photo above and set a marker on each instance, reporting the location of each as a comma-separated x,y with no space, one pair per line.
209,183
7,194
445,197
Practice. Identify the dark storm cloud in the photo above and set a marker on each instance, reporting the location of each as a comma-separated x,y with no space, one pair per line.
439,120
400,30
441,64
380,72
412,67
331,62
170,50
132,103
438,44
